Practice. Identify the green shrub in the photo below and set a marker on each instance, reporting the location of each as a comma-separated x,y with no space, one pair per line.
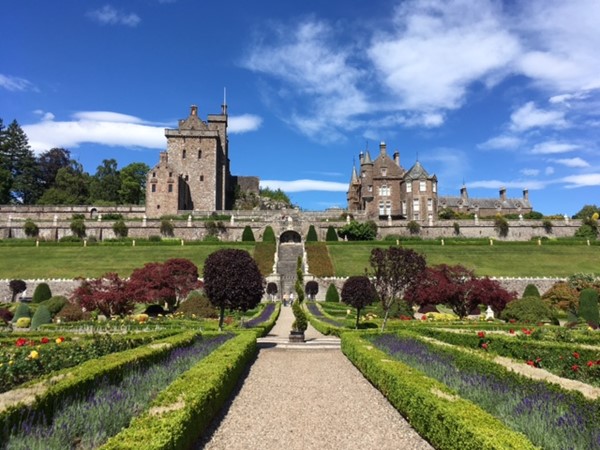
331,235
531,291
501,225
413,227
154,238
41,316
301,322
70,239
72,312
332,294
23,322
547,224
199,305
528,309
78,228
311,236
78,216
112,216
359,231
248,234
120,229
166,228
42,292
55,304
22,310
456,227
269,234
588,307
31,229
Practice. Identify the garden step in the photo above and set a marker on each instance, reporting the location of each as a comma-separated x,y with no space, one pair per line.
326,343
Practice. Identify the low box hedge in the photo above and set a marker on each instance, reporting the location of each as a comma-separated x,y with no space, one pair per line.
444,419
183,411
56,387
334,328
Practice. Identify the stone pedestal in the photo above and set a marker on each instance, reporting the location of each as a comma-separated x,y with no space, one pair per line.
296,336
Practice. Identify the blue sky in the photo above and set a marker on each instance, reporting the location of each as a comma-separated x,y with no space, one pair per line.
495,94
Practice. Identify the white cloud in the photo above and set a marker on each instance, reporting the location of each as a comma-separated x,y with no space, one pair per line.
305,185
243,123
530,172
589,179
502,142
438,48
513,184
16,84
572,162
549,170
111,129
528,116
553,147
107,15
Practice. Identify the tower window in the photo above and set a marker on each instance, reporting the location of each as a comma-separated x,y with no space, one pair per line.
170,188
153,188
170,174
201,177
434,187
409,186
153,174
422,186
183,154
199,154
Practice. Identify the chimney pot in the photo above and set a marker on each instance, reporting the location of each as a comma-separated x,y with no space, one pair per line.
194,110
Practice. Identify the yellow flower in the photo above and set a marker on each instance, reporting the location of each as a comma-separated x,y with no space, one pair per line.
11,362
34,354
59,340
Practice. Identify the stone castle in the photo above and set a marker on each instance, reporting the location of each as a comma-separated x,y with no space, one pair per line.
193,173
383,189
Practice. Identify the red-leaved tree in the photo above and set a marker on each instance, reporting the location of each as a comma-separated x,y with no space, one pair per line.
358,292
107,294
168,282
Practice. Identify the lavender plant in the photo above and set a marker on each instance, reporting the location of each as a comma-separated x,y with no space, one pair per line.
316,312
549,417
262,317
87,421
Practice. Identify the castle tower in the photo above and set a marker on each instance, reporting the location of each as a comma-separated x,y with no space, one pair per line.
193,174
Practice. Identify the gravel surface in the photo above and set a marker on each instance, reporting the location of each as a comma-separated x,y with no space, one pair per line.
299,399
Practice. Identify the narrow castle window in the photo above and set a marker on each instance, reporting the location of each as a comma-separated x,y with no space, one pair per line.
153,188
170,174
170,188
429,205
183,154
153,174
201,177
199,154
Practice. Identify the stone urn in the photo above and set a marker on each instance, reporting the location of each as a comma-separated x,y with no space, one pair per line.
296,336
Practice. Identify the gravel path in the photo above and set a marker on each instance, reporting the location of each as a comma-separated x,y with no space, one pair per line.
299,399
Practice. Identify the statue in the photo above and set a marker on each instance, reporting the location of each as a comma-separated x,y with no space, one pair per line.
489,313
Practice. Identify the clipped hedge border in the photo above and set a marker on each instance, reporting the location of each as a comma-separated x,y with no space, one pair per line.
183,411
84,377
323,327
445,420
264,328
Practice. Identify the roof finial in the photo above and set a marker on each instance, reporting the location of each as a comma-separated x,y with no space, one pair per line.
224,105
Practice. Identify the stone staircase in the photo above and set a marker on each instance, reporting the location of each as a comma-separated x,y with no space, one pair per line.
287,260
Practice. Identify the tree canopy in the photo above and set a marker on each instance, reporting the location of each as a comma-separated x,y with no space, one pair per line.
232,280
358,292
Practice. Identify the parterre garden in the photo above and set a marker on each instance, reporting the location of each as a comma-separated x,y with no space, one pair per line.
159,379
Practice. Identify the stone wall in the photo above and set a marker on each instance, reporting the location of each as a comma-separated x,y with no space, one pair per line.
57,287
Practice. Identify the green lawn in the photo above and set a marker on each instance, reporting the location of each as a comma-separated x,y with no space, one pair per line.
501,259
70,261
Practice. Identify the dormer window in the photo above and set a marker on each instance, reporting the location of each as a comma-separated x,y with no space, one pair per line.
383,171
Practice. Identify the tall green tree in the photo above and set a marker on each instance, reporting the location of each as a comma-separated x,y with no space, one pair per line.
71,187
133,184
17,158
106,183
49,163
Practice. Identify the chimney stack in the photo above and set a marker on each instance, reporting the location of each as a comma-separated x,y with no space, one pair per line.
397,158
463,192
526,195
503,194
382,148
194,110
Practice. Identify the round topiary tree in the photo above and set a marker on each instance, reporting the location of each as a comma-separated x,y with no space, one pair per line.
41,316
22,310
311,236
248,234
311,289
531,291
232,280
55,304
166,228
331,235
42,292
358,292
501,225
588,307
413,227
332,294
269,234
78,228
272,289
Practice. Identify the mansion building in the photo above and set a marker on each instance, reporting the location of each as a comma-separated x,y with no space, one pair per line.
383,188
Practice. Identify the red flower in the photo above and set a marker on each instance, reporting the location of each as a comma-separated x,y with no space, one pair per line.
481,334
537,360
590,363
512,321
512,331
530,363
484,346
45,340
574,367
21,342
575,355
424,317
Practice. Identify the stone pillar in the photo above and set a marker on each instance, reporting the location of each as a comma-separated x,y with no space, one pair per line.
389,220
476,220
55,220
189,221
430,220
99,217
144,219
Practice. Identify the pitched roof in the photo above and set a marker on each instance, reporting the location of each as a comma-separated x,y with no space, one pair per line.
417,172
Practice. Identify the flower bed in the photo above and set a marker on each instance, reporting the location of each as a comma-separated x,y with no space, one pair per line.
435,411
265,320
90,419
549,416
566,360
321,322
26,358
